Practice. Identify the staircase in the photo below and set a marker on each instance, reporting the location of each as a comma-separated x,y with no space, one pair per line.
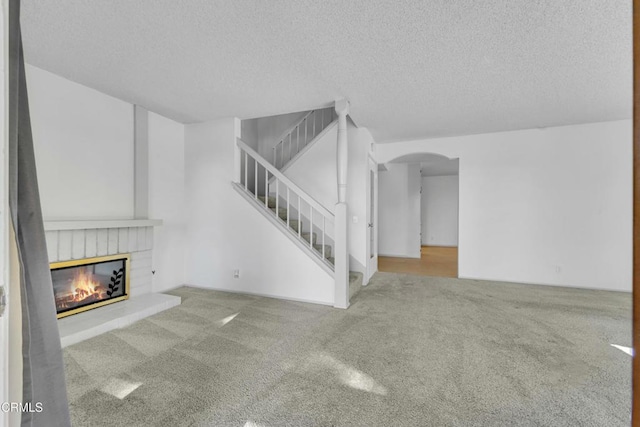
305,221
301,217
355,277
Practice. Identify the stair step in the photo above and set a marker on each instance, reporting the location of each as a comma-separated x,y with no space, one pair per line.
294,224
282,212
306,235
272,201
327,250
355,283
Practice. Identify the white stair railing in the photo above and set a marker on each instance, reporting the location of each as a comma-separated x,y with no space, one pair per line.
295,139
303,216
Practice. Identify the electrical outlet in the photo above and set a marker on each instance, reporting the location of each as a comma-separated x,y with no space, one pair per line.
557,269
355,219
236,274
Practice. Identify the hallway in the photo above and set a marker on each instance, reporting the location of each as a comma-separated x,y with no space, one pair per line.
436,261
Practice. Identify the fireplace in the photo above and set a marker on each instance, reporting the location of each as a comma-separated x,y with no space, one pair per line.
88,283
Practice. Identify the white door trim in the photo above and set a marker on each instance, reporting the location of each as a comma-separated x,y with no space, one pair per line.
372,218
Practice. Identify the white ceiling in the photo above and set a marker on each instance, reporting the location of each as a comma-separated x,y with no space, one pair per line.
411,69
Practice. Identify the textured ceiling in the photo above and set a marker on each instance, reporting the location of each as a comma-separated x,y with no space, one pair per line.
411,69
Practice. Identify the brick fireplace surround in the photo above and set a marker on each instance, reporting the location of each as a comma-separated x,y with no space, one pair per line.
70,240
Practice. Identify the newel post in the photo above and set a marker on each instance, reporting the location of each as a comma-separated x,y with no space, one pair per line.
341,212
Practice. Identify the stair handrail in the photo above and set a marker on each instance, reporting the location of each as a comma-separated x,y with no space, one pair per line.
283,178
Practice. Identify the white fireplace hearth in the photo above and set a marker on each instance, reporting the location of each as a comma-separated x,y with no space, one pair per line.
74,240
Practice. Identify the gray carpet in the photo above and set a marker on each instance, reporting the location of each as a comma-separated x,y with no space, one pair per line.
410,351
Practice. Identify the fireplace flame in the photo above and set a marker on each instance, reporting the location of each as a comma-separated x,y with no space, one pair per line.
83,288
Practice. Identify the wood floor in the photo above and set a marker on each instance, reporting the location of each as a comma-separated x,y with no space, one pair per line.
435,261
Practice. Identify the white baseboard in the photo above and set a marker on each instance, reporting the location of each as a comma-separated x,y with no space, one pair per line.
399,256
555,285
259,294
171,288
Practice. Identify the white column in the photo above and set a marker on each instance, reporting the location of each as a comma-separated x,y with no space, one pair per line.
342,109
141,162
341,243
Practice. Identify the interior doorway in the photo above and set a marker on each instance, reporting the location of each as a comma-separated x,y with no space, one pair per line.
439,206
419,210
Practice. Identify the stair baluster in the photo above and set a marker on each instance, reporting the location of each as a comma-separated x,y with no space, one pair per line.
324,227
255,176
246,170
311,221
266,187
299,218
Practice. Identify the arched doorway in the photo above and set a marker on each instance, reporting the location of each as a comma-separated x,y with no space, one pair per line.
418,215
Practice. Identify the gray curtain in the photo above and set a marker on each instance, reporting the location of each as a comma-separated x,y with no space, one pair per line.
43,367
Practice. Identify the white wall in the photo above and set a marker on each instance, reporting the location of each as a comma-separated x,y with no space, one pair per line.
315,172
84,149
224,232
249,132
399,211
167,201
439,210
549,206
